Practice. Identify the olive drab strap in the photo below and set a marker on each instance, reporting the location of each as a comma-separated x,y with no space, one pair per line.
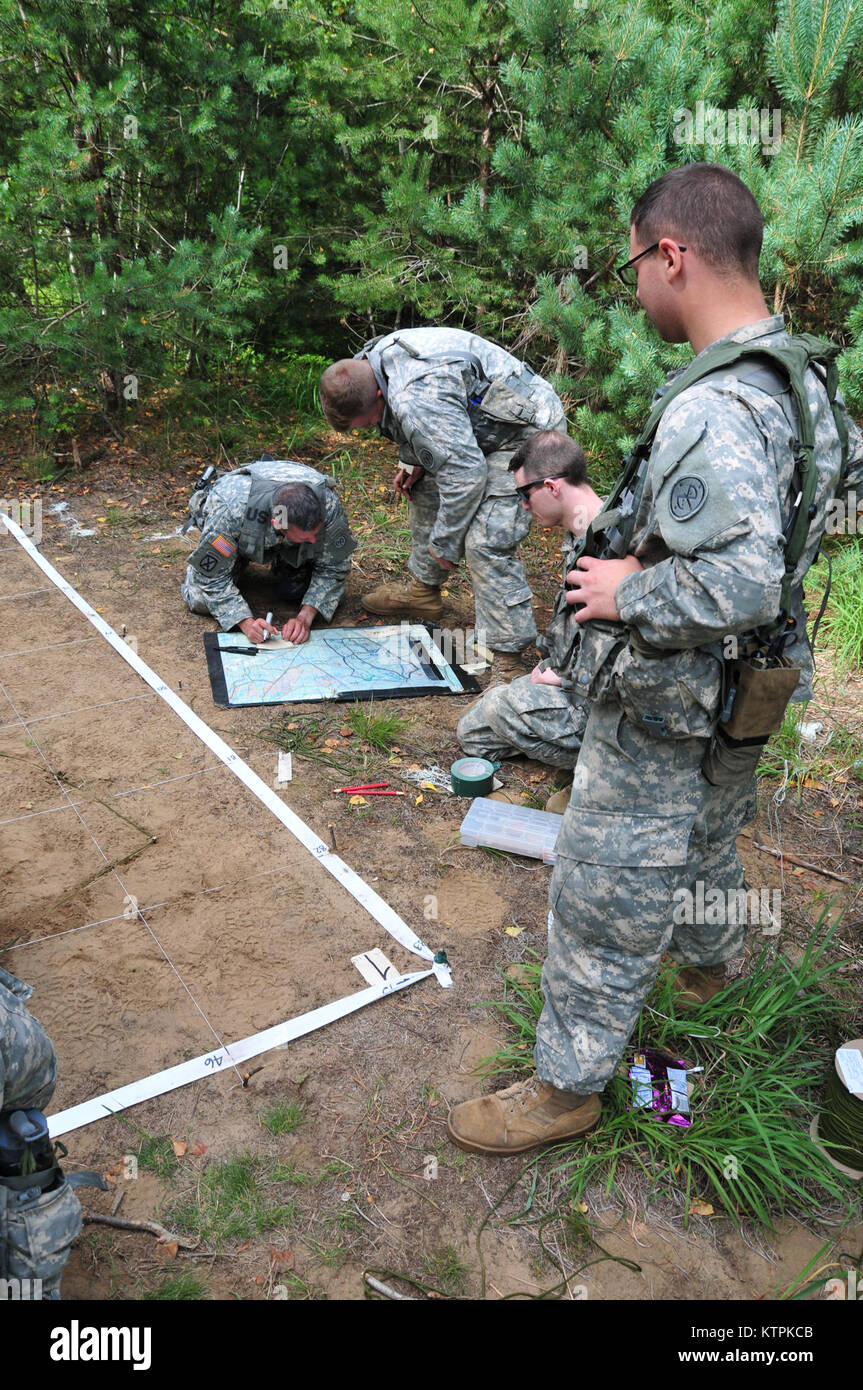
792,358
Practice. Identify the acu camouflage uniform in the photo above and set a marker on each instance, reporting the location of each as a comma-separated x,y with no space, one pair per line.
643,821
544,722
460,407
235,516
36,1228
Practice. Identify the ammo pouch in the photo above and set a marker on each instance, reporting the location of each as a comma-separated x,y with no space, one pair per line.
503,404
670,694
36,1233
760,688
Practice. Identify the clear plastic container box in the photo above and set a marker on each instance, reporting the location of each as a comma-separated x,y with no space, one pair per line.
518,829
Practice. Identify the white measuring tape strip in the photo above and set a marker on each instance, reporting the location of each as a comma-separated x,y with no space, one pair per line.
357,887
221,1060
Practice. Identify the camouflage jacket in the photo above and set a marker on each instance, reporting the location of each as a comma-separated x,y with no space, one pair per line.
558,645
459,406
221,517
708,529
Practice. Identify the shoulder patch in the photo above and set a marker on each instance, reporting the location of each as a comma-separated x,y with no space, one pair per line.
223,545
688,496
426,453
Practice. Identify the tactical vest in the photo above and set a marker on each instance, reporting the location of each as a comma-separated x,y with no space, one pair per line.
257,518
611,531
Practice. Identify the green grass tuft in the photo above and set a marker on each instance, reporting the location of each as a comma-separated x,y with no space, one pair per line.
236,1199
177,1288
156,1155
378,729
765,1044
445,1271
842,625
284,1118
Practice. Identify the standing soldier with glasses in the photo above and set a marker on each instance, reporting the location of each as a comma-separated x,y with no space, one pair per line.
693,639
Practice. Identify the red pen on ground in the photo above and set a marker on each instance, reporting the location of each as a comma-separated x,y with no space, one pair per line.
372,789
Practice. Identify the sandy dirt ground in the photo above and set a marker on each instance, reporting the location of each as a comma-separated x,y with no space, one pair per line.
110,804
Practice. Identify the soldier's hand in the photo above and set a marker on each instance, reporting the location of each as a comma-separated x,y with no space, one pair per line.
547,677
593,584
296,630
256,629
444,564
406,478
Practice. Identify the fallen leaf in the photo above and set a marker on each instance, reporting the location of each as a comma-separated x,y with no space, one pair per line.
25,805
332,743
582,1206
357,801
293,726
259,1279
197,1149
179,1146
243,1247
282,1259
419,799
346,732
701,1208
170,1248
513,931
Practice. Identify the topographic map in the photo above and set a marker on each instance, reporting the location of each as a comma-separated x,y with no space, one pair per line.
337,663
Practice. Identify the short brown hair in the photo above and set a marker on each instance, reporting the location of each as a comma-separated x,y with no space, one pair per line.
348,388
550,452
707,207
296,504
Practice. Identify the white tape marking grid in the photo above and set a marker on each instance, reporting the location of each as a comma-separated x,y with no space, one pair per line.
384,915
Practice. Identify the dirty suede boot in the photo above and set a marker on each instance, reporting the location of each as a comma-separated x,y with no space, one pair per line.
413,600
522,1117
558,801
697,984
507,666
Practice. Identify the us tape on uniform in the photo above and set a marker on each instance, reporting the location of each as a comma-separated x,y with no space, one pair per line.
381,911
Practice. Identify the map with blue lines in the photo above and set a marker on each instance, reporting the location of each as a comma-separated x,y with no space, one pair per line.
337,663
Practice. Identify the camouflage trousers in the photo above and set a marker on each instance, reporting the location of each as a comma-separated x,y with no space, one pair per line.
538,721
642,824
36,1233
504,613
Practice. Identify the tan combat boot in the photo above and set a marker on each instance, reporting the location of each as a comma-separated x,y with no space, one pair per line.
558,801
413,600
508,666
522,1117
697,984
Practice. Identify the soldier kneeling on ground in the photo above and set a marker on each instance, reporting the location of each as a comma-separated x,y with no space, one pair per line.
273,512
539,715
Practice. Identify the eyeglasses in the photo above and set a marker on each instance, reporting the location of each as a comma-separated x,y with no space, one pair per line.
527,488
628,274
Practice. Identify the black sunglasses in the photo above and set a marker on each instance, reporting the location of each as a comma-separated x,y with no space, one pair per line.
527,488
628,274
